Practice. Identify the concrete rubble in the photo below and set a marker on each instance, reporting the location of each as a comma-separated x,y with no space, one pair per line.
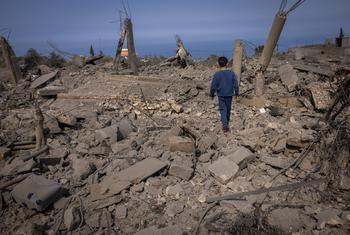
142,154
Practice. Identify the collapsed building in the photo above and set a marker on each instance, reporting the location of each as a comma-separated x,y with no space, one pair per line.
85,150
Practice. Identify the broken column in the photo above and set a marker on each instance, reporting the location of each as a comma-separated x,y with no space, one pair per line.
132,59
131,47
39,129
10,60
237,59
267,53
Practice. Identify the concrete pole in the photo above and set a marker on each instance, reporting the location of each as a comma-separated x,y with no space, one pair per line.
272,40
267,53
39,128
119,48
10,60
237,59
131,47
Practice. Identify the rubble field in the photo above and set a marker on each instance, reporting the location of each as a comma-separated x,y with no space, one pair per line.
145,154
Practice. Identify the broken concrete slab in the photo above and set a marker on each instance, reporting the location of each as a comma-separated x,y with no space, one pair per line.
36,192
181,144
277,162
321,97
242,156
43,79
114,184
288,76
312,69
223,169
52,90
207,142
110,133
181,170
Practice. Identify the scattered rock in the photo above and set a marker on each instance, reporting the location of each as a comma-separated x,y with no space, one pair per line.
121,212
288,76
82,168
182,144
223,169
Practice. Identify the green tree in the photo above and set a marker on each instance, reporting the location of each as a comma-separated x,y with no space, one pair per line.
92,52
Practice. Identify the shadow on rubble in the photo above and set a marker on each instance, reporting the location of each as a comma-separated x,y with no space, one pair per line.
250,224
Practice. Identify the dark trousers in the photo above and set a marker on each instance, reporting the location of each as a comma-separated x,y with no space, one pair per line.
225,103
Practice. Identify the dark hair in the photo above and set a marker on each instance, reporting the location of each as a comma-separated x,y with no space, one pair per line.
222,61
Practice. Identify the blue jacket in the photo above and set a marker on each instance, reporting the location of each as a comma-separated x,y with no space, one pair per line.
224,83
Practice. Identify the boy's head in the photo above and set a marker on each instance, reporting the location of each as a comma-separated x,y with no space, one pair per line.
222,61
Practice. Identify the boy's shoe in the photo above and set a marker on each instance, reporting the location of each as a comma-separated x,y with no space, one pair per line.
226,130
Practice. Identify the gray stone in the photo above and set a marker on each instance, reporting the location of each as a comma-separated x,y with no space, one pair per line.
110,133
288,76
275,161
52,90
181,144
205,157
223,169
67,119
72,218
206,142
121,212
174,208
328,217
280,145
82,168
175,190
51,123
125,127
289,220
181,170
242,156
100,150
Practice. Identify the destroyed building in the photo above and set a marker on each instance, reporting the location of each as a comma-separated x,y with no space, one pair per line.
86,150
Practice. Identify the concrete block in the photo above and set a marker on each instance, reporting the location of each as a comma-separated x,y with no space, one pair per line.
242,156
223,169
52,90
181,170
288,76
110,132
36,192
181,144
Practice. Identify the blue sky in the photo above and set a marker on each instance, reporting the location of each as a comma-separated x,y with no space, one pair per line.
206,26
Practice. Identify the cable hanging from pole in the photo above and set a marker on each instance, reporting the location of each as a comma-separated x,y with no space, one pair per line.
282,9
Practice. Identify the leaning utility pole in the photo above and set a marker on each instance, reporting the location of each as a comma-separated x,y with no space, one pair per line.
10,60
237,59
271,43
127,31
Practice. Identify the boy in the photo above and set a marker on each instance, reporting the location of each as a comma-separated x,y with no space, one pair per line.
224,85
